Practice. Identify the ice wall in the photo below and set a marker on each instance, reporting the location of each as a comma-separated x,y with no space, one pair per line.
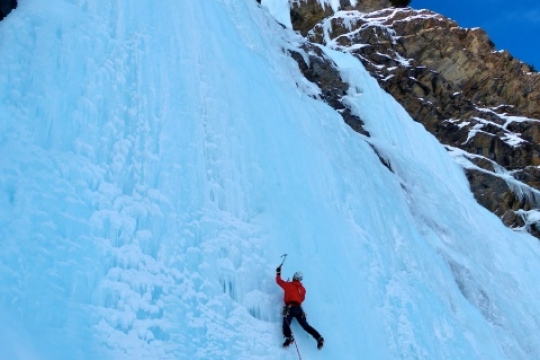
159,157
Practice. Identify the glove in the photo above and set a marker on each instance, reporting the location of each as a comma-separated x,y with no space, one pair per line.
278,270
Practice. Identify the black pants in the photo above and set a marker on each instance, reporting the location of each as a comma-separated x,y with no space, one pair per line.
295,311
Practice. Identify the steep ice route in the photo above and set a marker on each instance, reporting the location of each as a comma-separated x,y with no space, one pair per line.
158,158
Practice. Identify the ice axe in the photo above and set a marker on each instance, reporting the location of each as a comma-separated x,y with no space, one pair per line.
284,256
278,270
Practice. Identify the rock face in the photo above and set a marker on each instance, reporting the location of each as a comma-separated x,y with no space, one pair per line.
306,14
6,6
450,79
321,71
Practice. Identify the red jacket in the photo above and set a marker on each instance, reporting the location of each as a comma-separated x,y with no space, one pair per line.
294,290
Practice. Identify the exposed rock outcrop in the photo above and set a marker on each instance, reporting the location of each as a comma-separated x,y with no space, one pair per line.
450,79
320,70
306,14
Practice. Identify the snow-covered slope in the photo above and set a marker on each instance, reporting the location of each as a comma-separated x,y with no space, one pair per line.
159,157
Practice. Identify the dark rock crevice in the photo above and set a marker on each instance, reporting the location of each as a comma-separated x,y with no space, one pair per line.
6,6
322,71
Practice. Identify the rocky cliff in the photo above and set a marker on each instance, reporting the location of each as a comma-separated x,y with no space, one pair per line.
482,104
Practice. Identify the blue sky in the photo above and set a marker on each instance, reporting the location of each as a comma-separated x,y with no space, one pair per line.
511,25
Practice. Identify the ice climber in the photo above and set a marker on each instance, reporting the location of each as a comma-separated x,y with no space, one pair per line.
295,293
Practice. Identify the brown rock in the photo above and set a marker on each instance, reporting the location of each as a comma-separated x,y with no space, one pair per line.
450,79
